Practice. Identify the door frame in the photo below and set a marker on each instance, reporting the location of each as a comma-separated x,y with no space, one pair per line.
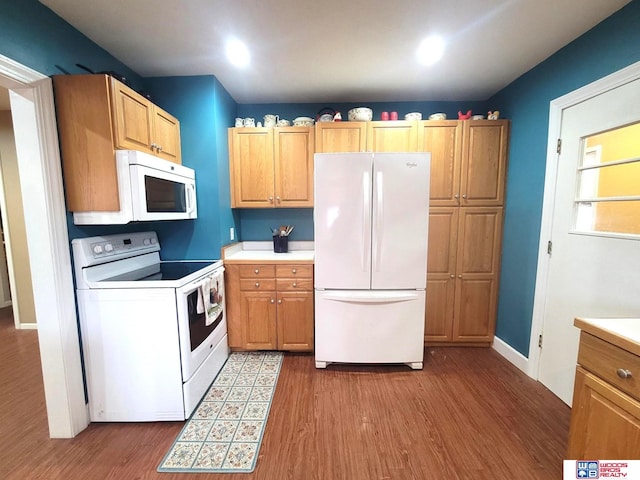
556,109
38,152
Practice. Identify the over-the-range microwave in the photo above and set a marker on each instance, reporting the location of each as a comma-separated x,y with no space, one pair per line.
149,189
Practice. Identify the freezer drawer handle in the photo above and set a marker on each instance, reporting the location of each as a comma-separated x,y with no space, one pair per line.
387,297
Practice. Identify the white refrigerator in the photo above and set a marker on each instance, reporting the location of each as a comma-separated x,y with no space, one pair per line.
371,218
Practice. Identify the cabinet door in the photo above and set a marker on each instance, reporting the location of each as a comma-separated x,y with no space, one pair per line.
441,264
166,135
477,261
295,321
251,167
133,119
605,423
444,140
293,169
334,137
484,154
233,306
396,136
259,320
85,124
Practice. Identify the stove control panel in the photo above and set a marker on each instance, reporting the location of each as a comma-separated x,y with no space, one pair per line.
94,250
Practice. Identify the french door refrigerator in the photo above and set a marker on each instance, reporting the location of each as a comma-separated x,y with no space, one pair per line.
371,217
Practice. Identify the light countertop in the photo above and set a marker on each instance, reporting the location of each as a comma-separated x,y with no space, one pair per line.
623,332
262,252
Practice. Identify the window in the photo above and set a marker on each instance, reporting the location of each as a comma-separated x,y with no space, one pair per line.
608,194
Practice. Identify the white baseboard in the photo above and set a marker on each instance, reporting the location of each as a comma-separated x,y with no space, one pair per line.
28,326
512,355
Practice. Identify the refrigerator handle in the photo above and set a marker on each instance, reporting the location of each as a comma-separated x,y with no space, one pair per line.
379,219
366,218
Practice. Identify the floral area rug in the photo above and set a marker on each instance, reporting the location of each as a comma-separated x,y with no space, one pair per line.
225,431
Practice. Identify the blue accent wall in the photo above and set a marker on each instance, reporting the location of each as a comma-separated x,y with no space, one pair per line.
291,111
608,47
204,109
34,36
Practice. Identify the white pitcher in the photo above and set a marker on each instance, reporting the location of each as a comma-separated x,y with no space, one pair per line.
270,120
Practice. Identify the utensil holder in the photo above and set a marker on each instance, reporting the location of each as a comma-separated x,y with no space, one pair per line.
280,244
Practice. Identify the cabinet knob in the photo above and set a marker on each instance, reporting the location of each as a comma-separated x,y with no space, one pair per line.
257,284
159,148
295,284
624,373
153,145
456,196
256,271
459,276
452,276
273,301
464,195
279,301
270,199
278,199
293,270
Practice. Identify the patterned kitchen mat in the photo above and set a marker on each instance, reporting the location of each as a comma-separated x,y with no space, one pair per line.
225,431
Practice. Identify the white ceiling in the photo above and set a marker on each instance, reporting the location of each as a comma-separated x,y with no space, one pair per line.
337,50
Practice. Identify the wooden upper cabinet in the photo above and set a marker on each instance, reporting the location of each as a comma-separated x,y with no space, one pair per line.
293,165
133,119
335,137
141,125
468,161
251,167
167,136
484,156
443,138
271,167
392,136
98,115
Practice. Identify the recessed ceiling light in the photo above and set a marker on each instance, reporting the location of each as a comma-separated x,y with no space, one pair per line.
430,50
238,53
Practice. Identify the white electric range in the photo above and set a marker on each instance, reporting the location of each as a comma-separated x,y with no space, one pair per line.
154,333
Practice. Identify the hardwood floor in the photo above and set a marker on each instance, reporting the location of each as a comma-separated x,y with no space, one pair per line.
468,415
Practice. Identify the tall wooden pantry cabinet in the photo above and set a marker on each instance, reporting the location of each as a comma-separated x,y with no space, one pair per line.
468,171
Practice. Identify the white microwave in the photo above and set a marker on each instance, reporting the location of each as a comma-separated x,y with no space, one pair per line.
149,189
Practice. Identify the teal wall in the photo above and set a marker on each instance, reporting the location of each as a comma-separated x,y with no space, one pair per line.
34,36
610,46
204,109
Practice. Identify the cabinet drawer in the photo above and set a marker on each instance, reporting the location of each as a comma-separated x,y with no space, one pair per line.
257,271
297,271
293,284
257,284
604,360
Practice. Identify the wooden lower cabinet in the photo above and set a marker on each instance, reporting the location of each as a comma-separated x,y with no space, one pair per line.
462,274
605,415
270,307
